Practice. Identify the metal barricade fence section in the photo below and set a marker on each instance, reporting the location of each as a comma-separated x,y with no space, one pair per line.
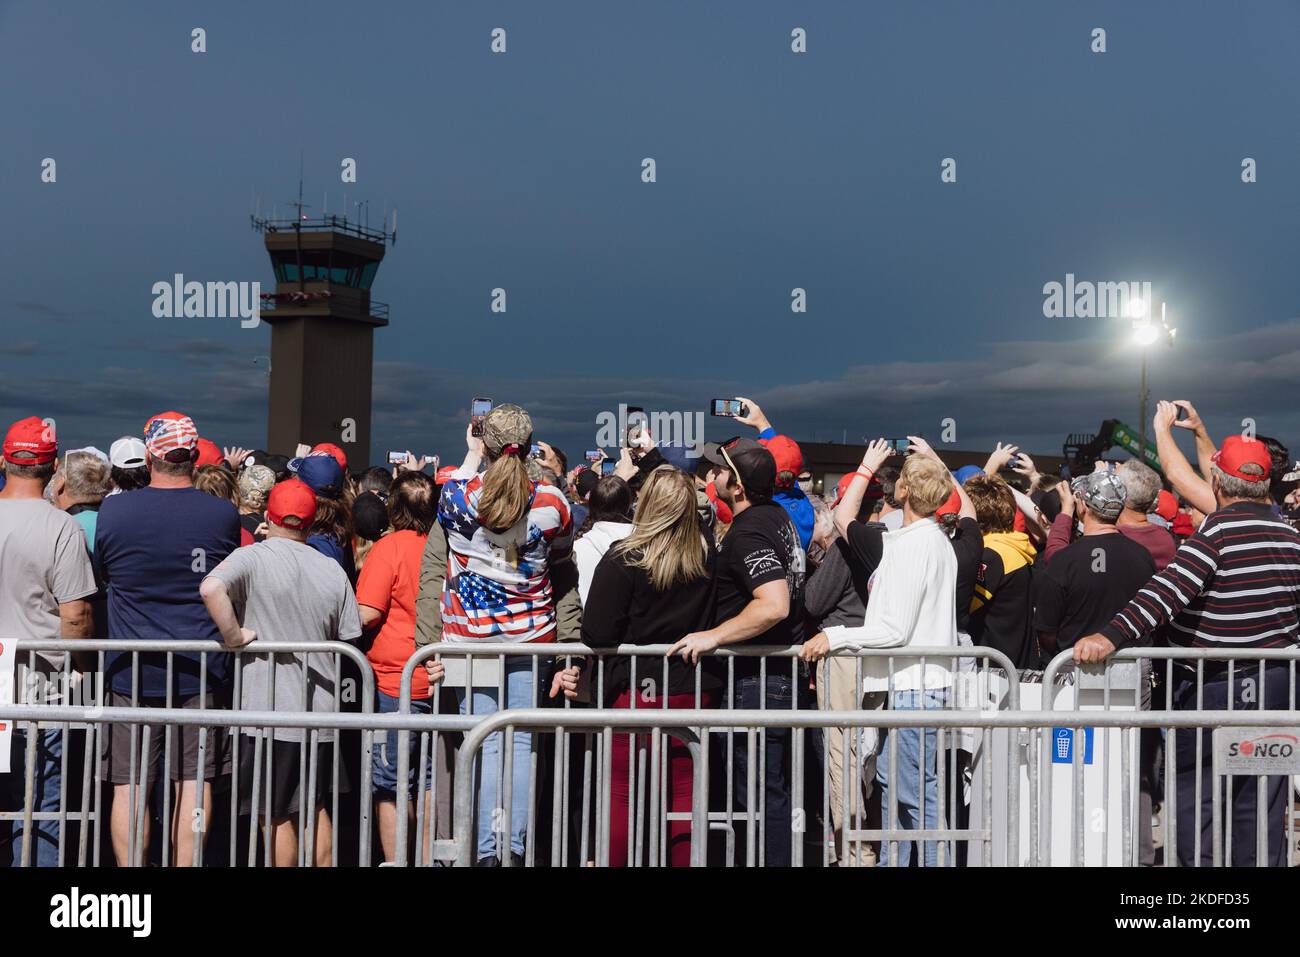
1185,792
775,795
936,757
218,788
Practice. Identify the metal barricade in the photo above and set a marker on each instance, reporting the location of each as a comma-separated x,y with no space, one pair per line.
579,798
689,725
1168,681
50,681
695,724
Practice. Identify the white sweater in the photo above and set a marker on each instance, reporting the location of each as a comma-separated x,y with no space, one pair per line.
912,602
591,548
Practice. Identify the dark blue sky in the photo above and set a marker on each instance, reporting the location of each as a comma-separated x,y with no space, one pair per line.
775,170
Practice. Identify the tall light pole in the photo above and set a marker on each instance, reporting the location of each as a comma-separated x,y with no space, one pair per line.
1145,334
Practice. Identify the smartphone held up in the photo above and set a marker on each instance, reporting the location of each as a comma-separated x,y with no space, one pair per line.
729,408
478,409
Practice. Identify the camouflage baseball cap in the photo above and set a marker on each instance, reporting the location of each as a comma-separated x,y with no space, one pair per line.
507,428
255,484
1102,492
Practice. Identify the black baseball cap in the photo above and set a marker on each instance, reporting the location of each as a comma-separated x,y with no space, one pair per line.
369,516
586,482
749,460
279,464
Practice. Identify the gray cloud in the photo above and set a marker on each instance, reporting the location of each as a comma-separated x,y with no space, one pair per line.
1030,393
40,309
27,347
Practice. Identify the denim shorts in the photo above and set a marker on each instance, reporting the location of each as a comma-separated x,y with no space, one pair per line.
383,765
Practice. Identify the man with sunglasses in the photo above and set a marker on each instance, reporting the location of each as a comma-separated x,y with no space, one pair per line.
760,580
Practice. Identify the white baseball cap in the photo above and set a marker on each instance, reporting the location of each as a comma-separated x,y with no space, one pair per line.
88,450
127,453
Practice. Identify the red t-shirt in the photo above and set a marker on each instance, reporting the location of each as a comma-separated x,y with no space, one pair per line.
389,583
1156,540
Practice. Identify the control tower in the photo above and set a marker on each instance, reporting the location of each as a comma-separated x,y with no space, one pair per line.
323,323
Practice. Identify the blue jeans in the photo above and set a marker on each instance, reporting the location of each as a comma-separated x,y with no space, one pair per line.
776,785
45,795
907,775
519,694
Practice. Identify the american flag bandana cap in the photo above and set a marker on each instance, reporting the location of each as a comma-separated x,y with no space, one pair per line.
169,431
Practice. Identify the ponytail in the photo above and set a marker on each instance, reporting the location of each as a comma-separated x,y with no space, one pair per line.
503,500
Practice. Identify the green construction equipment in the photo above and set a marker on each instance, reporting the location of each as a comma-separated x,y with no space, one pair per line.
1082,450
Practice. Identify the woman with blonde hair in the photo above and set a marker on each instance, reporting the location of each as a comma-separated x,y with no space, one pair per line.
500,525
217,481
652,588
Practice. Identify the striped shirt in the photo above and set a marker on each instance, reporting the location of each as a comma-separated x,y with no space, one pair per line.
498,585
1234,584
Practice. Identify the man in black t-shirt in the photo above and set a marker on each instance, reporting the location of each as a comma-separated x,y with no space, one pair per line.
1085,584
760,579
1081,588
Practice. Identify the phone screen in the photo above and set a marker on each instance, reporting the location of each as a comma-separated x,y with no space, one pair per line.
477,410
731,408
396,458
899,445
594,455
607,467
636,421
535,451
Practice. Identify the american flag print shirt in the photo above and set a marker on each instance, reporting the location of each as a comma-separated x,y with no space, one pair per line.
498,585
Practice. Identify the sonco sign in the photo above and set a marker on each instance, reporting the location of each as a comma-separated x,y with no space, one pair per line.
1257,750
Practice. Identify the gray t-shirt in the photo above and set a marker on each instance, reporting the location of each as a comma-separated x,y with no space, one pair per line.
43,563
287,591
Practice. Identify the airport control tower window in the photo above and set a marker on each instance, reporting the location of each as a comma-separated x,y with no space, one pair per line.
338,269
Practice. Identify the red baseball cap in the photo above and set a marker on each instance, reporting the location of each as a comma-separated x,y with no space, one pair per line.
1182,524
721,508
34,437
209,453
873,487
788,457
1166,505
329,448
951,507
291,504
441,476
1237,450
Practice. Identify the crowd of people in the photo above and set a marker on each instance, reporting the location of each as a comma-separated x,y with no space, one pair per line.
170,536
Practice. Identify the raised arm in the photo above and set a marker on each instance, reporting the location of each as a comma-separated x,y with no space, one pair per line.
754,416
850,503
1186,482
999,458
1204,444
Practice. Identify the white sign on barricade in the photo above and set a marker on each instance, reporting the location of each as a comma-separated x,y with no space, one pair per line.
1100,760
1256,751
8,658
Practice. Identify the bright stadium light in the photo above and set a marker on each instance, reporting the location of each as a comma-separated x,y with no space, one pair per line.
1136,307
1147,333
